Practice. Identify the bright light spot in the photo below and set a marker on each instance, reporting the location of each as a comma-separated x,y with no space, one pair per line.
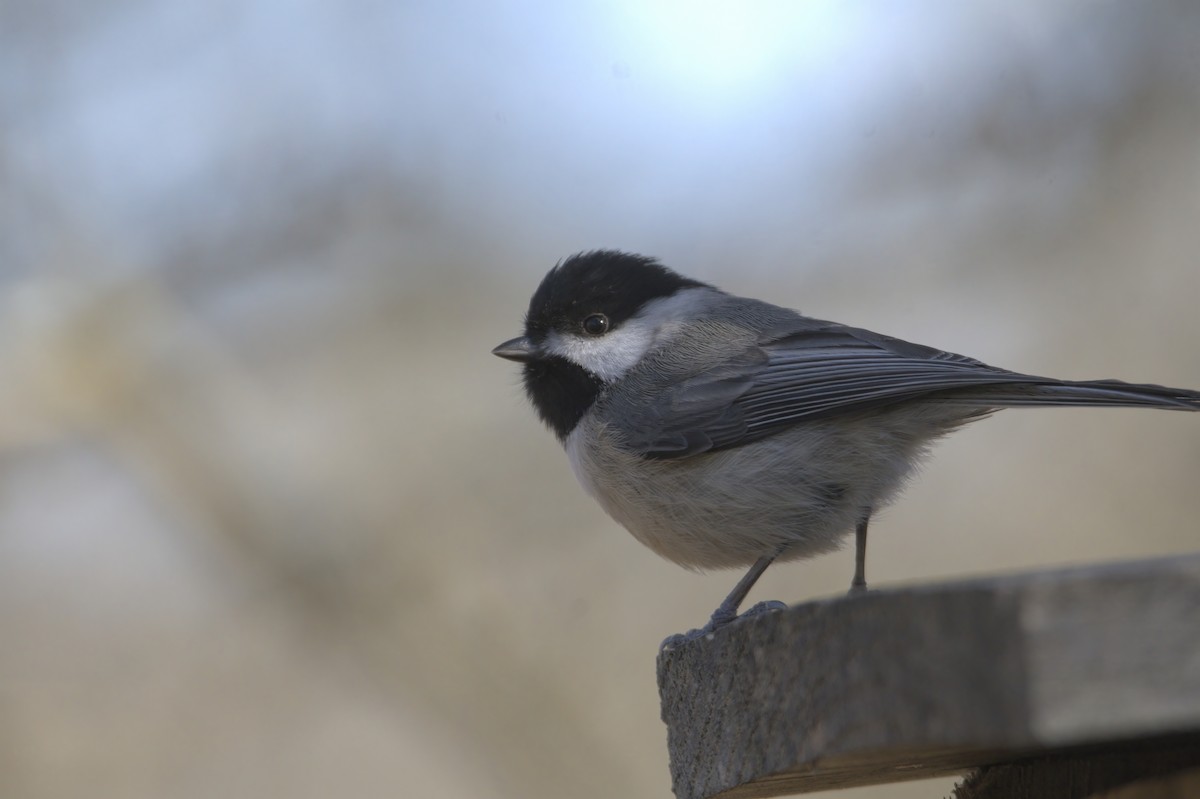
720,47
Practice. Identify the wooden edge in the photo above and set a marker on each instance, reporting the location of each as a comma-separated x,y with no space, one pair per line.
925,681
1088,772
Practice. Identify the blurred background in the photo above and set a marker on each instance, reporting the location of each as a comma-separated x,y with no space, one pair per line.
273,521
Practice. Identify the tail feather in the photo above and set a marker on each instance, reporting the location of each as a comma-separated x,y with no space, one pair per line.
1096,393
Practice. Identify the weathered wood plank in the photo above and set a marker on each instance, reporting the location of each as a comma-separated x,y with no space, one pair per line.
924,681
1145,768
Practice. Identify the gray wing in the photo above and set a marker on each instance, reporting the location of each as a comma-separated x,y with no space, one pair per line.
819,369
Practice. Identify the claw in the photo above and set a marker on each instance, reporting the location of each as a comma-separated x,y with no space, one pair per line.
770,606
719,619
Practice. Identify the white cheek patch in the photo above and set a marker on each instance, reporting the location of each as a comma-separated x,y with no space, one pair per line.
612,355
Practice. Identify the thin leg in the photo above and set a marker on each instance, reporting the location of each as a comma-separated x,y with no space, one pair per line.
728,609
859,583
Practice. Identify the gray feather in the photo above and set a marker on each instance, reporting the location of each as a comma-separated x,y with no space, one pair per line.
804,369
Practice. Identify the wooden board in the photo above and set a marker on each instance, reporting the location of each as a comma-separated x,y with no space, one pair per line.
924,681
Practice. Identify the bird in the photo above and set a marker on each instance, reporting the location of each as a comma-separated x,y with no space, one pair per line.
727,432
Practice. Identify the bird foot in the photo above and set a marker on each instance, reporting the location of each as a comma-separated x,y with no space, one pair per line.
769,606
719,619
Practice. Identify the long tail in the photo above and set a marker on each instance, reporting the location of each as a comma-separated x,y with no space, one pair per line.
1101,393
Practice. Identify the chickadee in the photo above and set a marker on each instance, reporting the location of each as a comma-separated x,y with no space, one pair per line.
728,432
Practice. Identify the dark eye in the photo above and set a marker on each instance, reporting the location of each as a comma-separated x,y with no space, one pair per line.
596,324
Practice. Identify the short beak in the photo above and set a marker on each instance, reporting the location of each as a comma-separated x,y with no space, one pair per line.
518,349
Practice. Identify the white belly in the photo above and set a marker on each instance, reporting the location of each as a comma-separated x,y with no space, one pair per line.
799,491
